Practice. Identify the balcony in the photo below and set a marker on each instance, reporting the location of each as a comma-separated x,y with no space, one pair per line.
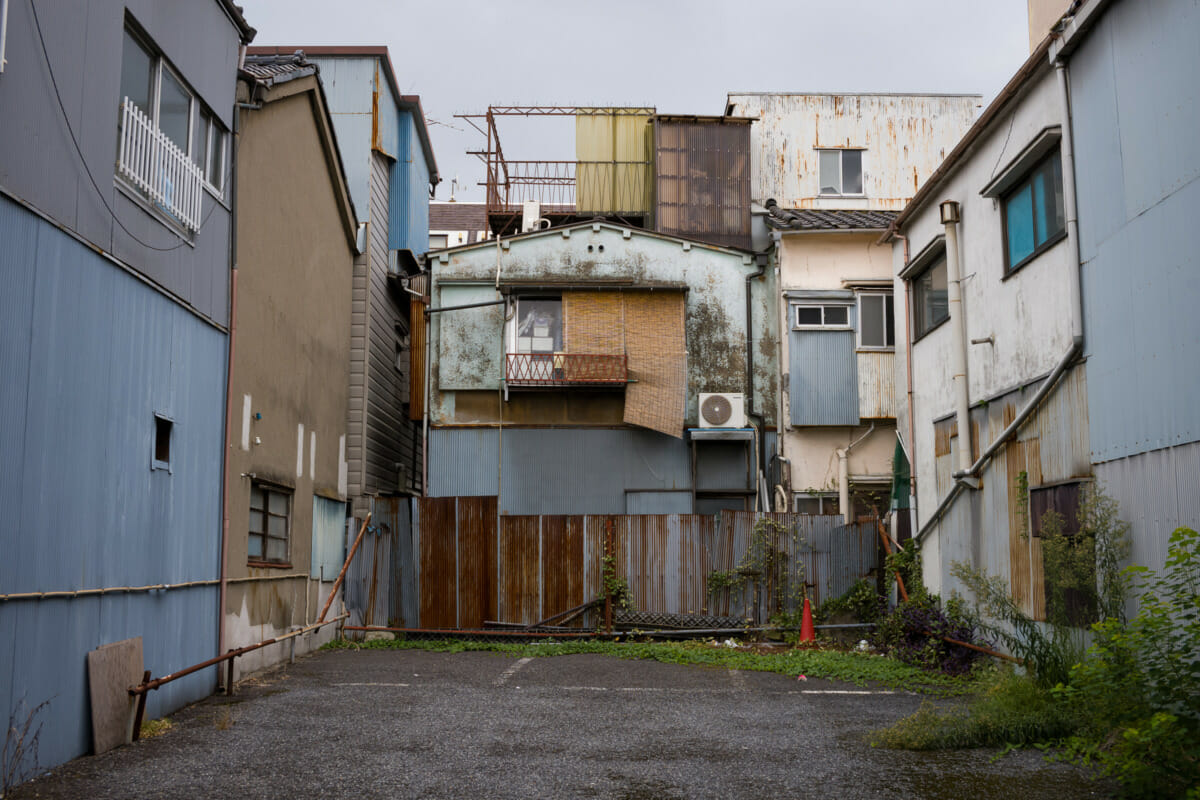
153,163
565,369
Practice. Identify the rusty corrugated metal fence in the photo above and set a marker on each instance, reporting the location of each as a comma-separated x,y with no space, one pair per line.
455,569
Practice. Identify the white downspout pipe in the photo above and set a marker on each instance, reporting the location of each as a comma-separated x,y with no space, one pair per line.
958,325
843,454
1069,204
3,31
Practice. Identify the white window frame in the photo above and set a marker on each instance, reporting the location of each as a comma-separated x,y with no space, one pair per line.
196,107
888,348
862,176
823,326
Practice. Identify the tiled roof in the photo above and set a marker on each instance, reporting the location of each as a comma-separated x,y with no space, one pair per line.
279,69
473,216
808,219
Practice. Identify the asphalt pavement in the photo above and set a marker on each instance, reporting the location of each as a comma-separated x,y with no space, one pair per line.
407,723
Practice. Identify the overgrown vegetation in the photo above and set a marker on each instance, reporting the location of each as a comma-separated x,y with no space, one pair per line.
855,668
916,630
19,758
860,601
764,567
1127,703
155,727
615,586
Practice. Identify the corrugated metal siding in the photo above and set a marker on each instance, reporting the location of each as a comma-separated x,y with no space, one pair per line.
614,164
348,84
519,554
408,227
562,563
1157,494
823,383
702,180
876,385
638,502
463,461
329,524
1135,115
437,548
89,355
356,425
475,528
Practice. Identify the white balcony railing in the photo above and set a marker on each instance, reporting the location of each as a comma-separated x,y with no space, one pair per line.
156,165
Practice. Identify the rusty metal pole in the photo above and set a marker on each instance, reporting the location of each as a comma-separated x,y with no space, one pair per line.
608,554
141,709
346,566
887,547
229,676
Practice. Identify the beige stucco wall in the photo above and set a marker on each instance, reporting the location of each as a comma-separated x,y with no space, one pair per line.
809,261
291,355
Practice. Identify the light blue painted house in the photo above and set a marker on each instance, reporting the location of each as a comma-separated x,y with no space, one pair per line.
115,233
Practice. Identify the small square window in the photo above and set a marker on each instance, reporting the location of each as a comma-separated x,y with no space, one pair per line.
438,241
840,172
270,520
162,442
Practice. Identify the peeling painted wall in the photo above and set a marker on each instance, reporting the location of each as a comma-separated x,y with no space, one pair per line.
915,131
468,343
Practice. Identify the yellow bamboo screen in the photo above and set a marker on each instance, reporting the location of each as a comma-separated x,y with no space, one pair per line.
655,343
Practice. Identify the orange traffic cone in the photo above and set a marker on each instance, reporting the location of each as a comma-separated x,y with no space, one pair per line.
807,632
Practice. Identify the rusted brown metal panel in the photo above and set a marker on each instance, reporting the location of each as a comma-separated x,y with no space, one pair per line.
439,573
646,540
702,179
1020,572
520,569
476,561
696,533
562,563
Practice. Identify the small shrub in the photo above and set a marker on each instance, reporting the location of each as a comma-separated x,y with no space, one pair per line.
861,600
915,633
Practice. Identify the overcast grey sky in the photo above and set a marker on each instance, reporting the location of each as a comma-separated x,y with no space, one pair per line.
681,57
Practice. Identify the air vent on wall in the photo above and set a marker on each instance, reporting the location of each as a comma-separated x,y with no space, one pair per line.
725,410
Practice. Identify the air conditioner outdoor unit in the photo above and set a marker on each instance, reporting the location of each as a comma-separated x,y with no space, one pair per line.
726,410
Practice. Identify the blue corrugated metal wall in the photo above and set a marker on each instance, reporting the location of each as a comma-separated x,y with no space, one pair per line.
1136,108
561,470
409,212
89,355
823,378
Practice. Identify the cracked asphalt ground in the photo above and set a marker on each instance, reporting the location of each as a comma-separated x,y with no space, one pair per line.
408,723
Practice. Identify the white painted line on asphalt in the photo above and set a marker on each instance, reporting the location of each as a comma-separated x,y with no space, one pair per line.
370,684
508,673
839,691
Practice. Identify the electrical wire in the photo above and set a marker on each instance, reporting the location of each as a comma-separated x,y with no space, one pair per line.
79,151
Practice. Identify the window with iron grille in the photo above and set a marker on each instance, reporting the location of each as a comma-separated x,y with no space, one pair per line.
270,523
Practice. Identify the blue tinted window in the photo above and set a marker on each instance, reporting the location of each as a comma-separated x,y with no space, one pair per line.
1033,211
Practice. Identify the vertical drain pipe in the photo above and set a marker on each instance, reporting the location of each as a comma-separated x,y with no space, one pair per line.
958,323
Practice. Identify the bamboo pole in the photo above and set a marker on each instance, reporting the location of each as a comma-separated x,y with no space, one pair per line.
346,566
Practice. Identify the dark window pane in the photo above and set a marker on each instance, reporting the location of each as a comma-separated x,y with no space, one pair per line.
931,302
136,75
837,315
852,182
199,139
256,498
277,503
808,315
889,321
831,171
256,522
870,321
276,550
255,548
174,105
215,170
808,505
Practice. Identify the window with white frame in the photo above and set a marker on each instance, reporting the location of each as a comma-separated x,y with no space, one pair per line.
840,172
876,321
270,520
820,315
815,503
536,327
170,144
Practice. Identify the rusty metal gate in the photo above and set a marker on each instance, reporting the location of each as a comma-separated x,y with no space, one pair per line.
453,567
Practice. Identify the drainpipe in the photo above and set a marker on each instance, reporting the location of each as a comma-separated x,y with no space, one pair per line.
780,425
843,454
3,30
762,268
958,322
233,282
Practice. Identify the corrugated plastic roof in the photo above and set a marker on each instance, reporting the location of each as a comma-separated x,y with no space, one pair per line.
807,219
